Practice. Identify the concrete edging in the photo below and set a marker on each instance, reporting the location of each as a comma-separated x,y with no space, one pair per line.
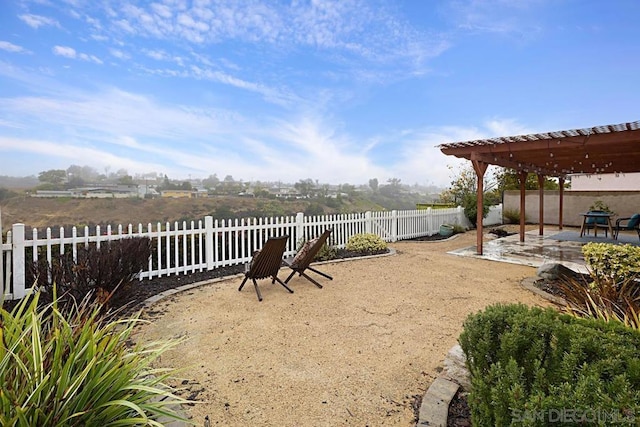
434,410
529,284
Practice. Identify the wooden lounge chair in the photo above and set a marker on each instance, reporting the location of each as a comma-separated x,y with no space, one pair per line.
302,260
266,263
628,224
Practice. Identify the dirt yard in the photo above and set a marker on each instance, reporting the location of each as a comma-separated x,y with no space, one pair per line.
359,352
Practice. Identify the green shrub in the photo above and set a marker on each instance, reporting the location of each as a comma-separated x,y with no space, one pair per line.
366,243
607,261
470,205
78,370
599,205
511,216
532,362
102,272
326,253
457,228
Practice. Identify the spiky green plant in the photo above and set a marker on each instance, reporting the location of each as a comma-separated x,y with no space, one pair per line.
75,369
603,299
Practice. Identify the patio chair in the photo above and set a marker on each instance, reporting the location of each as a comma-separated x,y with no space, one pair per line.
266,263
595,223
627,224
304,257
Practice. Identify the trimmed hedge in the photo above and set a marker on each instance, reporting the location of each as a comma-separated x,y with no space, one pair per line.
531,366
365,243
611,262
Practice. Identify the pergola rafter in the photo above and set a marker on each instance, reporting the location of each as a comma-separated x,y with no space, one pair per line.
595,150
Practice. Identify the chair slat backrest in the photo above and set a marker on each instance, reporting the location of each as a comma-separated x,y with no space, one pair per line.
313,251
268,261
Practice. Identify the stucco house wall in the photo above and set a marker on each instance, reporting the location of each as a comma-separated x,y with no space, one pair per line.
606,182
623,203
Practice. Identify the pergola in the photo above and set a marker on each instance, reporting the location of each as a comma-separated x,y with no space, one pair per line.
595,150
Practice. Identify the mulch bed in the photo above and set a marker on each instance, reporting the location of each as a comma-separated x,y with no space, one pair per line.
128,302
459,412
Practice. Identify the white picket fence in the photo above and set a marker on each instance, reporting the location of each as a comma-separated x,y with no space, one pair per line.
183,248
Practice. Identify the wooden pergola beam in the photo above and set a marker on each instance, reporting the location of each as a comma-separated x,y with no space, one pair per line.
522,178
480,168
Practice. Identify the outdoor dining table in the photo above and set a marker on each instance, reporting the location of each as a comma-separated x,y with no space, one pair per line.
596,216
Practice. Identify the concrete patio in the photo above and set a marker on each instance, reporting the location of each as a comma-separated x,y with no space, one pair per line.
557,246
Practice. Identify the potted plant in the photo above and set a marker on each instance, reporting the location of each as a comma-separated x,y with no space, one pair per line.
446,230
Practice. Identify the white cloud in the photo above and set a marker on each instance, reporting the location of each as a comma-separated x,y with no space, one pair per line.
60,154
37,21
353,27
273,95
422,160
69,52
128,127
10,47
507,17
117,53
90,58
161,55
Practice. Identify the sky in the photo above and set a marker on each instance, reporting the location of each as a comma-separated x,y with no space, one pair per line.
339,91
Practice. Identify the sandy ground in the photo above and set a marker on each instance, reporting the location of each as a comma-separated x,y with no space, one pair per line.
356,353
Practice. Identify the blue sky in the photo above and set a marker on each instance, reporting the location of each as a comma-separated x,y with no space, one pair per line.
339,91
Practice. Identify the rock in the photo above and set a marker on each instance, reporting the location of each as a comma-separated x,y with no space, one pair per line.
553,271
455,366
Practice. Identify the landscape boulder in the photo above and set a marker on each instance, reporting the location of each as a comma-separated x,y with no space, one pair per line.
455,366
553,271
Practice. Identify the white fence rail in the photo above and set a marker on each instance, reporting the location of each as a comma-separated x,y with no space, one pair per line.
183,248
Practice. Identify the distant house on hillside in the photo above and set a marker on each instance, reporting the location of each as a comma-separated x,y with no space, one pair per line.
54,193
146,191
606,182
93,192
179,194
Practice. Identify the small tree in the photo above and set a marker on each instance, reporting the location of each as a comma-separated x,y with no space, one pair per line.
373,183
507,179
463,192
53,176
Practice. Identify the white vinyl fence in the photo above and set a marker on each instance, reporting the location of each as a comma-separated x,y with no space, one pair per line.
183,248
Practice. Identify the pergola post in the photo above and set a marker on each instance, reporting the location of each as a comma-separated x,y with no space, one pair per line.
560,202
541,202
522,177
480,168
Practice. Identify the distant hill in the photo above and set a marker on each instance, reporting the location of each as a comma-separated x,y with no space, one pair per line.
18,207
57,212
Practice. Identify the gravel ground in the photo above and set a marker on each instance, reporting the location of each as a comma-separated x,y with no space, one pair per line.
361,351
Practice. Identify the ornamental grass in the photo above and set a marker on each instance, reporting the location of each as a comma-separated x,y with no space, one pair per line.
78,369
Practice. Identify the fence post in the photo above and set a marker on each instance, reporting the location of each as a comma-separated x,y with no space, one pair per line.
367,222
17,252
209,248
299,228
394,225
